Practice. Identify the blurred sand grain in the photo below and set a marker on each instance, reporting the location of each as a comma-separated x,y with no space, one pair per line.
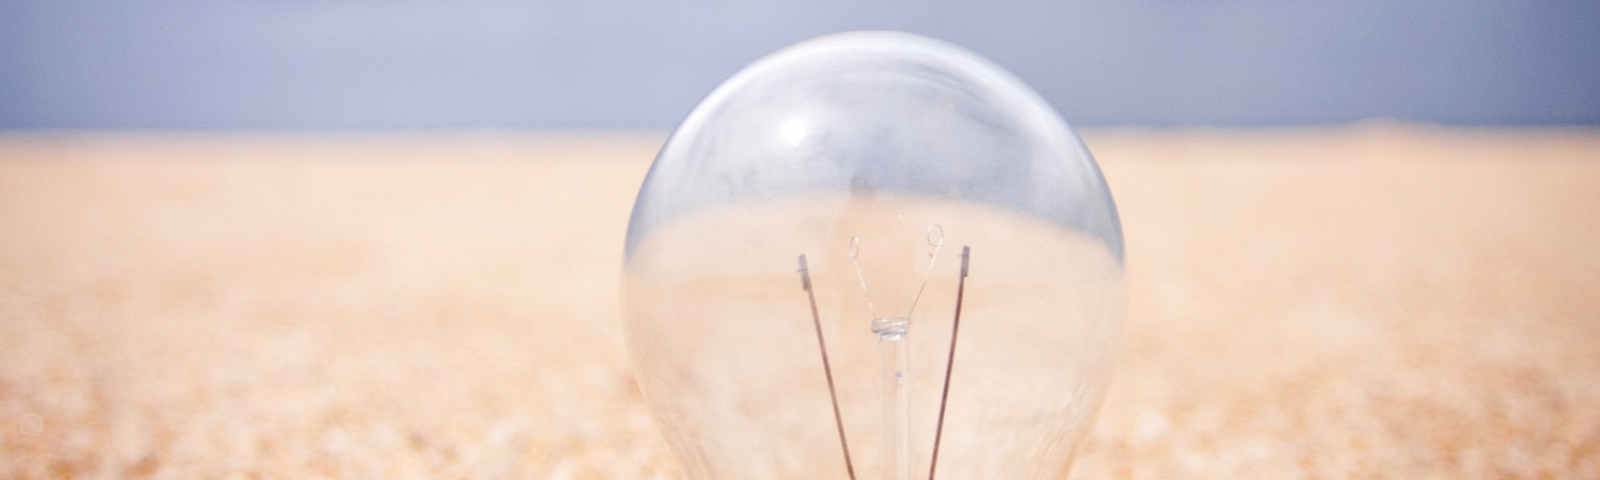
1368,301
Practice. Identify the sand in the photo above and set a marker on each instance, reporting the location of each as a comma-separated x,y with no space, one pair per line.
1376,300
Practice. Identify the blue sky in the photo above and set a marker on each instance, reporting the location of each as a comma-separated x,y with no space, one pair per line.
367,64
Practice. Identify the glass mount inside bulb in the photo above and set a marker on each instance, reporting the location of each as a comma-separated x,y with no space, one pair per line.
895,361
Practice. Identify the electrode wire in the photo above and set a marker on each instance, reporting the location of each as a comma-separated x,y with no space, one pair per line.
950,362
827,367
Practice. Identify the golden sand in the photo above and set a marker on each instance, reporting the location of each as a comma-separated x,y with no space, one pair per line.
1370,301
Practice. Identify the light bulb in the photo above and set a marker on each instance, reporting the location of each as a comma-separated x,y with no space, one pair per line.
873,256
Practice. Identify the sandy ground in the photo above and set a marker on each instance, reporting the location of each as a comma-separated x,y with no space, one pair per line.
1369,301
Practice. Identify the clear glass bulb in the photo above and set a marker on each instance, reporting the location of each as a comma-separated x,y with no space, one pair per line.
873,256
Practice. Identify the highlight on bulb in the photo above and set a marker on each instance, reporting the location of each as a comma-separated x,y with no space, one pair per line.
873,256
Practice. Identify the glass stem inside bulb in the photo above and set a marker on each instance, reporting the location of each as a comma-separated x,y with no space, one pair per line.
895,355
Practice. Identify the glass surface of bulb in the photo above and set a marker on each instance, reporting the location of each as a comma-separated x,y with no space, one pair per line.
873,256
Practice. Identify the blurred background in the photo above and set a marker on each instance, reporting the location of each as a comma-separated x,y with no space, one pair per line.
410,64
381,239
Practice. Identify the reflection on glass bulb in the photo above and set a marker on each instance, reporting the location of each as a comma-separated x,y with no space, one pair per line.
796,281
